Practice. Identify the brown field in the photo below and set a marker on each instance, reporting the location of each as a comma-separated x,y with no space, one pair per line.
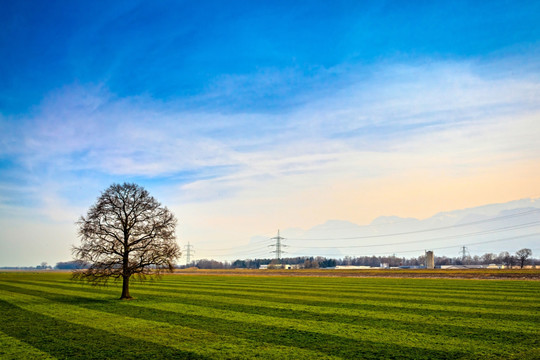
496,274
516,274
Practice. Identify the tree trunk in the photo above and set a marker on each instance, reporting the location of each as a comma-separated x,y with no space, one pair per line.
125,288
125,272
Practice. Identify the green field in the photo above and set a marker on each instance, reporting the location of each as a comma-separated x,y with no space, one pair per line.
45,315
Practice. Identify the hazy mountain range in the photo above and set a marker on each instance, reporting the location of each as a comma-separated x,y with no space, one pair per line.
489,228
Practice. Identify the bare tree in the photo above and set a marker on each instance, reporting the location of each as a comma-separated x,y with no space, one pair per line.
523,255
488,258
126,232
507,259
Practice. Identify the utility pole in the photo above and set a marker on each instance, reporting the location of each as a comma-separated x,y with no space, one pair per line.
278,246
189,253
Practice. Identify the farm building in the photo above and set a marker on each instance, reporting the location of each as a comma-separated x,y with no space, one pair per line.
352,267
279,266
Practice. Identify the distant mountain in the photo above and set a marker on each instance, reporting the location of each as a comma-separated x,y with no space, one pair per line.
390,220
489,228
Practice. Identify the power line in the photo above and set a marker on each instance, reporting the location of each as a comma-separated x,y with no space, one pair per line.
484,232
254,255
260,251
448,247
248,255
425,230
241,248
405,220
233,247
476,243
255,249
238,250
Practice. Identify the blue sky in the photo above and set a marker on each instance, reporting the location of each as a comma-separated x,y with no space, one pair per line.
186,50
230,112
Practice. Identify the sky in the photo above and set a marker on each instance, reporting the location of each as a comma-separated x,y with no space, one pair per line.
245,117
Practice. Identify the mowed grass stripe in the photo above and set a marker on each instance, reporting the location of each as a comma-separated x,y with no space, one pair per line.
522,290
368,285
289,337
236,312
519,288
13,348
481,308
518,297
322,295
366,328
449,313
504,287
344,316
394,331
67,340
164,340
403,296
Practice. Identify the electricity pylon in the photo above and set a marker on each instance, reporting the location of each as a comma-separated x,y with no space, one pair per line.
279,245
189,253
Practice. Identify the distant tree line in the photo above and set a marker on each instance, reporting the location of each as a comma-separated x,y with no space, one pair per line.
519,259
42,266
66,265
305,261
72,265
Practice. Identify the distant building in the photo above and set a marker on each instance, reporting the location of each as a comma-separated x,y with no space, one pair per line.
462,267
280,266
430,260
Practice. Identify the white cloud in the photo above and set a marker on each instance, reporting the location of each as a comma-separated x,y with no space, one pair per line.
394,142
91,129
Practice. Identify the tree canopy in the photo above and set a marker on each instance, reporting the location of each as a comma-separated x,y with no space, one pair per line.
523,255
126,232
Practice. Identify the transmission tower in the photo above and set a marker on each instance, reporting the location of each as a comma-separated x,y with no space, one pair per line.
464,252
279,245
189,252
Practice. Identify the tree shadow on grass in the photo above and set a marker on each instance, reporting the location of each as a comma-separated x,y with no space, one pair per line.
310,340
340,305
504,336
65,340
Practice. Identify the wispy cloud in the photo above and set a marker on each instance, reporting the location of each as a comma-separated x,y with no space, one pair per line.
268,115
407,140
416,109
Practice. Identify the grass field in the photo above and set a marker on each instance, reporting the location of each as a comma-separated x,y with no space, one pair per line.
45,315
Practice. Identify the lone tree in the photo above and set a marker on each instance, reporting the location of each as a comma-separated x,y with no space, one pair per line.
523,255
126,232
